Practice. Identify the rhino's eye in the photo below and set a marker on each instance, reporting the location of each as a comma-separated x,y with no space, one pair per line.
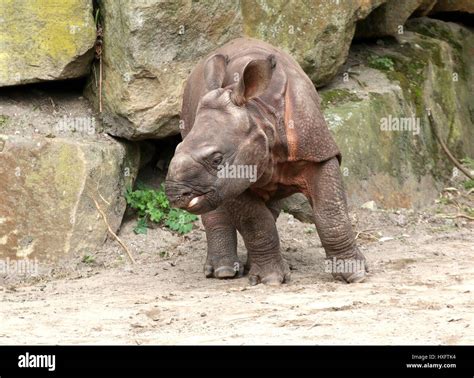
216,159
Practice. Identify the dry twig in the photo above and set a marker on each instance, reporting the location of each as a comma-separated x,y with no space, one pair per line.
367,233
457,216
104,217
445,148
98,55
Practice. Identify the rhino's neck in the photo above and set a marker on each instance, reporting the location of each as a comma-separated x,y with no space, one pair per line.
269,119
265,117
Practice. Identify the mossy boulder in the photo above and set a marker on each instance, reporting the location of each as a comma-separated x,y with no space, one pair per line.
45,40
47,186
384,134
452,80
378,114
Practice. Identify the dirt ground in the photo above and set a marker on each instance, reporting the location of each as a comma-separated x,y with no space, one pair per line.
420,290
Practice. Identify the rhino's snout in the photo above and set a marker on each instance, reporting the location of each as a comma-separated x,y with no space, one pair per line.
184,185
178,195
183,197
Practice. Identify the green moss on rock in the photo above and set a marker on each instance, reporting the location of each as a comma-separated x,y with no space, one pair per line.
336,97
45,40
421,77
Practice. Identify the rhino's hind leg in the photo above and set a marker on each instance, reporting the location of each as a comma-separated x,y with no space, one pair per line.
221,235
325,191
275,208
256,223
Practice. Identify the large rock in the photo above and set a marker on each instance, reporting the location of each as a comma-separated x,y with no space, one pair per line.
47,188
425,8
388,19
429,67
317,34
54,159
466,6
449,88
399,81
151,47
45,40
298,206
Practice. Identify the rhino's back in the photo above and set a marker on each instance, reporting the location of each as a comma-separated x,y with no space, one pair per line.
301,127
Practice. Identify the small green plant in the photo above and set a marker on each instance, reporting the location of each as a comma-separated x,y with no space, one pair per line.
469,211
97,17
309,230
469,184
88,259
467,161
445,201
3,120
383,63
153,205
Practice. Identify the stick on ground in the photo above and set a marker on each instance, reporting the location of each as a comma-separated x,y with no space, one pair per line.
457,216
445,148
104,217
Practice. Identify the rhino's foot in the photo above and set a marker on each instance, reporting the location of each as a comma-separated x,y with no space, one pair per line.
273,273
350,270
213,269
354,277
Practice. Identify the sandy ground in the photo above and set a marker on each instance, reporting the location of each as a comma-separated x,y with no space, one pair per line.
420,291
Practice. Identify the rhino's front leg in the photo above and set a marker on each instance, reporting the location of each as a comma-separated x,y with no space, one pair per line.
256,223
221,235
326,193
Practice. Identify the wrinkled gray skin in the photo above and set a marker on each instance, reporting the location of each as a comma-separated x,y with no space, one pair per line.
250,104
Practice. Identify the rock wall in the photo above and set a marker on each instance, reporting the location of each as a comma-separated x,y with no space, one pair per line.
150,47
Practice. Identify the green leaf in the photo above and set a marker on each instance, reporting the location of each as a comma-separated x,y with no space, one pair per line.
88,259
180,221
469,184
156,215
141,227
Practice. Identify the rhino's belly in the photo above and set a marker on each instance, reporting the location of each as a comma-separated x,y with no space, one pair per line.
279,192
287,179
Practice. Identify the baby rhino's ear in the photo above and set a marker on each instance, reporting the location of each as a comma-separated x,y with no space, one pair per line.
254,81
214,71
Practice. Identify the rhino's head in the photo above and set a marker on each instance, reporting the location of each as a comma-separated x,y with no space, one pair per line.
229,145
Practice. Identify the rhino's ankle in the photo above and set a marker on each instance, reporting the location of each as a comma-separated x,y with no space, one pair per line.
271,271
350,266
223,267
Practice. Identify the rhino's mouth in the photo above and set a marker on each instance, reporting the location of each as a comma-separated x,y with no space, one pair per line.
195,202
201,204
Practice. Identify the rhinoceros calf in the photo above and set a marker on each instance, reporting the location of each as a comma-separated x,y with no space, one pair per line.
253,133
